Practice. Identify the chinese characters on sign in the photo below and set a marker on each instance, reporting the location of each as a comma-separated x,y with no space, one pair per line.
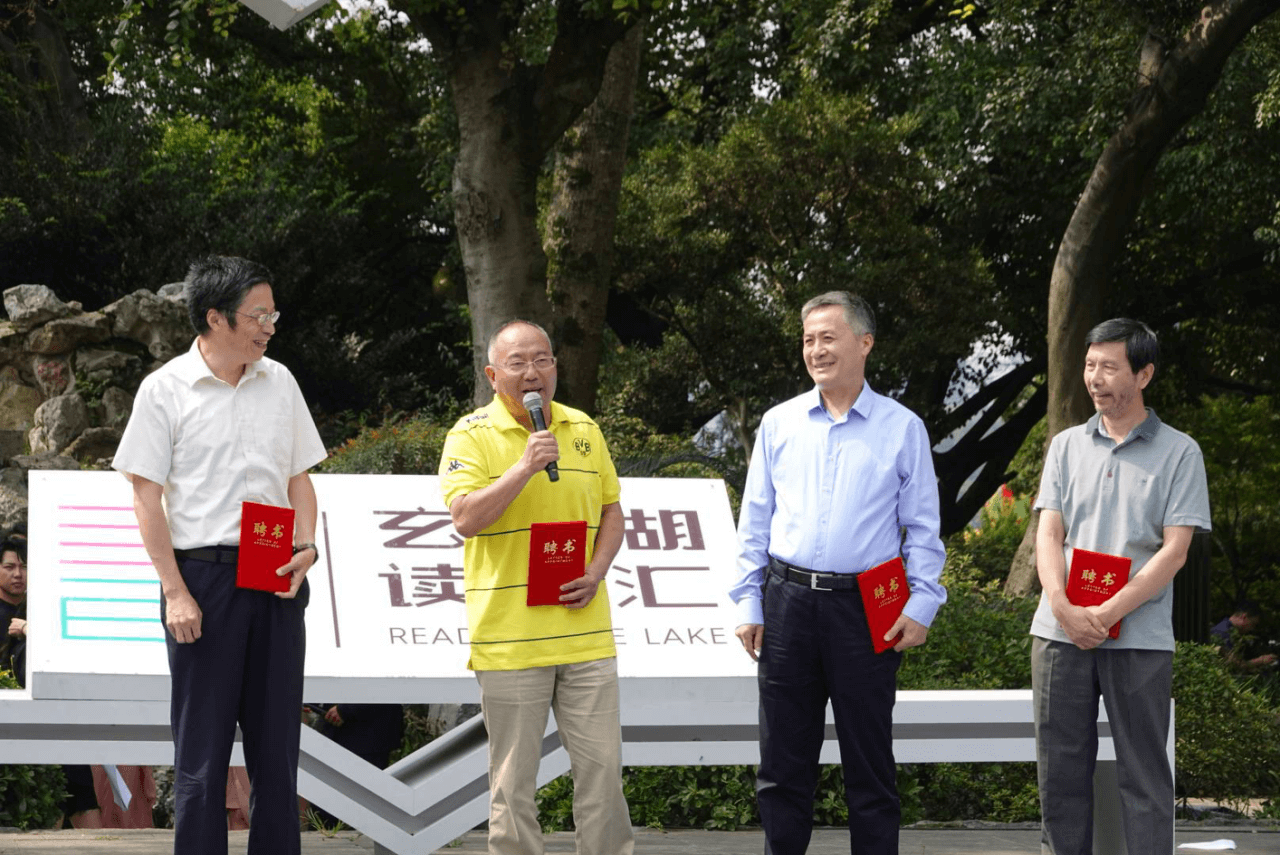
417,585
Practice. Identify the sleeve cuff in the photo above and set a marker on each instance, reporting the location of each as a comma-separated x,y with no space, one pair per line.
750,610
921,610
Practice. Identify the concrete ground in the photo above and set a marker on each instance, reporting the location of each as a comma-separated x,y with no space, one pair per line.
971,840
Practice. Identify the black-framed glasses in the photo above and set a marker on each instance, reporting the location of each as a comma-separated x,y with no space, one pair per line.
519,366
262,319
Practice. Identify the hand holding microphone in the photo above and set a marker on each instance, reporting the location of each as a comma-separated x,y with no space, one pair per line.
533,404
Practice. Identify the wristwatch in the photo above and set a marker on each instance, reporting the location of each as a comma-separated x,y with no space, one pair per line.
298,547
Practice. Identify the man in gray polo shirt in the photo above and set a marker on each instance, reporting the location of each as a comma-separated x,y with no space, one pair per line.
1126,484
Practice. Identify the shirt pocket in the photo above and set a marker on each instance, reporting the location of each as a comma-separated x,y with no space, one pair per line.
277,443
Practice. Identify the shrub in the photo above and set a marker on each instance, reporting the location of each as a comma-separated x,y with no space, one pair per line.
408,447
979,640
1228,746
983,554
30,796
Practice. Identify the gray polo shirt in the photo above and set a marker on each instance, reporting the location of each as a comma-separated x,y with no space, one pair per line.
1117,498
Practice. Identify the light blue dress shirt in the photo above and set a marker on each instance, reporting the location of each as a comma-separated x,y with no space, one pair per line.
841,496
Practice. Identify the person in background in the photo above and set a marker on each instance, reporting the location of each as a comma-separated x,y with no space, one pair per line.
369,731
13,614
1243,622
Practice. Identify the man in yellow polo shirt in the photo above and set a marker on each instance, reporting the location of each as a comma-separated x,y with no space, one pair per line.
531,659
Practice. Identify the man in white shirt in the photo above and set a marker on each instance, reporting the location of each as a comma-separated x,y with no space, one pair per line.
212,428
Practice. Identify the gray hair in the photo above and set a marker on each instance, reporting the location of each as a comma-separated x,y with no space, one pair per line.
493,339
857,311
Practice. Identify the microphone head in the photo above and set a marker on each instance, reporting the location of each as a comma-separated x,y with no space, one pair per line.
532,401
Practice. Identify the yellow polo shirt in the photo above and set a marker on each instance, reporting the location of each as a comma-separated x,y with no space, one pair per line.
505,633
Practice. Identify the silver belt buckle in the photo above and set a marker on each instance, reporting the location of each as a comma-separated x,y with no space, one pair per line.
813,583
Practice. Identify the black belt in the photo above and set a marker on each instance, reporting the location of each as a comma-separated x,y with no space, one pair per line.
812,580
213,554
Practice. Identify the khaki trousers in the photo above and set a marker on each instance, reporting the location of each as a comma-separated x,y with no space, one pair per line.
584,696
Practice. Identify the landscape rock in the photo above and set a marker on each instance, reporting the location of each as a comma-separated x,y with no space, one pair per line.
108,368
95,444
45,460
58,421
64,335
31,305
174,291
13,497
53,375
160,324
117,405
18,406
12,443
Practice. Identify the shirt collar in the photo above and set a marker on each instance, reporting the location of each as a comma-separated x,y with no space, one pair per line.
863,406
504,420
192,368
1146,429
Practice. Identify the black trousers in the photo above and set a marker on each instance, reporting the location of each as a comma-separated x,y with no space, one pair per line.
817,646
245,668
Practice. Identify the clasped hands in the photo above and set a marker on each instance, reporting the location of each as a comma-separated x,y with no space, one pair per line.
1086,626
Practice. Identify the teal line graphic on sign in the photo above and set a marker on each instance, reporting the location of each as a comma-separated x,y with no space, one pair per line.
110,619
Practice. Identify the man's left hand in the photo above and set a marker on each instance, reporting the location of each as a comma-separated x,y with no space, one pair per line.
17,626
297,568
913,634
579,593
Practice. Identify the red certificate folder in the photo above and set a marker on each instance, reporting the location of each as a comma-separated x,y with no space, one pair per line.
1094,578
557,554
884,592
266,545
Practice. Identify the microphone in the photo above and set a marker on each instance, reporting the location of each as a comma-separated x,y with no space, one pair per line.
533,403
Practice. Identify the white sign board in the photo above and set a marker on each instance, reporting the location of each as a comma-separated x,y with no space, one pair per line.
387,594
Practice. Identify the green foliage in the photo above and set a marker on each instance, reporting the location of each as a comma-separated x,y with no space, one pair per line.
324,151
1028,464
30,796
951,659
997,792
1237,437
408,447
1228,745
983,554
725,255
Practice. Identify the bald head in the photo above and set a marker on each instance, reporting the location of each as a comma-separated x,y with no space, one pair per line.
520,362
492,349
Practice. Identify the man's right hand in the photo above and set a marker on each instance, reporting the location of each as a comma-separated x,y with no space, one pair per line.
752,636
1085,629
182,617
539,451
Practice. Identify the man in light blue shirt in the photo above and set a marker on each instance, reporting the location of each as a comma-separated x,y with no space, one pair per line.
841,480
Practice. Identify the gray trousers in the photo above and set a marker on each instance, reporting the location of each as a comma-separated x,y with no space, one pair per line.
1066,683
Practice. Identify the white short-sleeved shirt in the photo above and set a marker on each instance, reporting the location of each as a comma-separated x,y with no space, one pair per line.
213,446
1117,498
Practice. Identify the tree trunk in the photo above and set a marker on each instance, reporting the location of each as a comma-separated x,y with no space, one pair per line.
510,116
1173,87
495,205
580,222
32,41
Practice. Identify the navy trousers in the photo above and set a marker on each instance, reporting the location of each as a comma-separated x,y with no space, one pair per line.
245,668
817,646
